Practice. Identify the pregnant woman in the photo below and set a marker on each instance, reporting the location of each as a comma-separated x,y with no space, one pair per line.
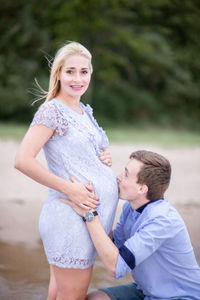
74,147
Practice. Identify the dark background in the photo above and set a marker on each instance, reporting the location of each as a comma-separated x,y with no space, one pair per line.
146,57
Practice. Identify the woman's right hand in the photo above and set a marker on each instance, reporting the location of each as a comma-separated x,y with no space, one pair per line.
83,194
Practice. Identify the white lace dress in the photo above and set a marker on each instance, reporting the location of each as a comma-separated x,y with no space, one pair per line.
74,151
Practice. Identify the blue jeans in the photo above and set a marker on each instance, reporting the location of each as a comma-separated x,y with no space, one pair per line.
125,292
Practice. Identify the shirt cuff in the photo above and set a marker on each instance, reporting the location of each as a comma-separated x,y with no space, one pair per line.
122,268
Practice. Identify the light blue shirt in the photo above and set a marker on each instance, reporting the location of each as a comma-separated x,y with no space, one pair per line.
157,242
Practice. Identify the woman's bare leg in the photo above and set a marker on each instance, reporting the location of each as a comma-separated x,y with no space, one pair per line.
72,284
52,291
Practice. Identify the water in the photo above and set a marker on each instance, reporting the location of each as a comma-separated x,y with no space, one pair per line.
24,272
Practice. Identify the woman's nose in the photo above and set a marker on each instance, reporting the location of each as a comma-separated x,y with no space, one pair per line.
77,77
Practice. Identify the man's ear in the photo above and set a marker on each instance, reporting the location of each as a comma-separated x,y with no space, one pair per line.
143,189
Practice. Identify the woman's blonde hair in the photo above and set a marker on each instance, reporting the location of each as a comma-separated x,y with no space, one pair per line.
71,48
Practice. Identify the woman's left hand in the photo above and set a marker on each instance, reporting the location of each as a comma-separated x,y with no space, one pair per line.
105,158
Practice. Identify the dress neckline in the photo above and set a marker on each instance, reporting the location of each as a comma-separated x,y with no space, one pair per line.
70,109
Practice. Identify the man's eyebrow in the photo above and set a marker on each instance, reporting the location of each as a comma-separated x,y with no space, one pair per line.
126,170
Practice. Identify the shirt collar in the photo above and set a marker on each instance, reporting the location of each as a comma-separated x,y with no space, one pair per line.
141,208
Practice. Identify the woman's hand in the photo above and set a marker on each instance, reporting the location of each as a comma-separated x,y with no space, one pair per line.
82,195
105,158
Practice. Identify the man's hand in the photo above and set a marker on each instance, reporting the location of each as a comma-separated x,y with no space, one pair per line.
80,211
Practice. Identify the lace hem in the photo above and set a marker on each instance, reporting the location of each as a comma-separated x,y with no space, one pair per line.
75,263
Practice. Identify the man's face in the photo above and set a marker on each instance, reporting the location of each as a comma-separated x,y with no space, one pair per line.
129,189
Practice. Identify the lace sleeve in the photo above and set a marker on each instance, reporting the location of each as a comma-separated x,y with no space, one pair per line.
49,116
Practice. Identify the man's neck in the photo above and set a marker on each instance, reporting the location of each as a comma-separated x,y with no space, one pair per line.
135,204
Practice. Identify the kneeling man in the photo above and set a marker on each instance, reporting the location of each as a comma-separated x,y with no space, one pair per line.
150,240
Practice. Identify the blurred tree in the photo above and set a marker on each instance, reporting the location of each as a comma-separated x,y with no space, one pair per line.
145,53
23,36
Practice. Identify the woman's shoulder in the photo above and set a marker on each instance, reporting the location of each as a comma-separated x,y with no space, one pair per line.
49,108
48,114
50,104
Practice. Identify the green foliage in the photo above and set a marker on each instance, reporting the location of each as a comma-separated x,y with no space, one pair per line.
122,134
146,56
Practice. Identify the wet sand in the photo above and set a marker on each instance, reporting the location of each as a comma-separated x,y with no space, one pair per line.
23,266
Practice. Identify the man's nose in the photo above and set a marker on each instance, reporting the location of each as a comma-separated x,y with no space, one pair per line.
119,177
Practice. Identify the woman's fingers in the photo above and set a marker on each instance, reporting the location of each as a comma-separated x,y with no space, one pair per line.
89,187
107,162
83,194
66,201
91,202
105,157
72,179
87,206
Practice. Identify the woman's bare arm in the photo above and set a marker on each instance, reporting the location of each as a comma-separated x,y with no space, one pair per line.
27,163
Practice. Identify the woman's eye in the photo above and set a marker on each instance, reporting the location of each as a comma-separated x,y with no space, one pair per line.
85,72
69,71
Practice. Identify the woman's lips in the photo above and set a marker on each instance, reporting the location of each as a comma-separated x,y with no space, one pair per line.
77,87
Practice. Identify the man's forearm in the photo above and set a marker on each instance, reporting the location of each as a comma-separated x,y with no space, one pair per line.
106,249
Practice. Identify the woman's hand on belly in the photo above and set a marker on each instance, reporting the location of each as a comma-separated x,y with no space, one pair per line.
105,157
82,194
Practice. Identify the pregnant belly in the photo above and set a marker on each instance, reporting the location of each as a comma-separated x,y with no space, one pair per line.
102,177
105,186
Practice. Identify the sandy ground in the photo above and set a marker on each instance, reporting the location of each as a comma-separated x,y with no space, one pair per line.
24,272
21,198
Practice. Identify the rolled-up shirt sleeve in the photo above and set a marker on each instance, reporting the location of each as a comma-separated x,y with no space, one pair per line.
122,268
118,233
148,238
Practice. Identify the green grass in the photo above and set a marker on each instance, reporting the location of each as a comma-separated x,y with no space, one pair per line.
123,134
164,137
12,131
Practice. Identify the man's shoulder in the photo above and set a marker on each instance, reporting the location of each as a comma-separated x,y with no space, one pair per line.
163,209
159,207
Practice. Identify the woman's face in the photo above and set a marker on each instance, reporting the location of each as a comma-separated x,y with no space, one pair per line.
75,76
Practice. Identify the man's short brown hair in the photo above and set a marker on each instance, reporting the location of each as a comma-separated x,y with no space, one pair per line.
155,173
